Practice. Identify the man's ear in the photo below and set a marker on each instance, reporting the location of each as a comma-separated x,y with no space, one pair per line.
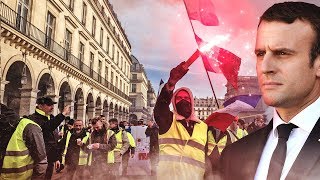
316,65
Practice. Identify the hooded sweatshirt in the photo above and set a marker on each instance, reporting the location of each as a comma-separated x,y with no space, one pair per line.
163,115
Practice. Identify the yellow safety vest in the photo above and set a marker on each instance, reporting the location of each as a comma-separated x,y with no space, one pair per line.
83,157
213,144
131,140
241,133
182,156
110,155
17,163
119,140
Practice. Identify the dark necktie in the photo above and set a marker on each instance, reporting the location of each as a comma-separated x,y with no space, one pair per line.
279,154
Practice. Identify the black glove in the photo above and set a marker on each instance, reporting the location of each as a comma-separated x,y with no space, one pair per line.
176,74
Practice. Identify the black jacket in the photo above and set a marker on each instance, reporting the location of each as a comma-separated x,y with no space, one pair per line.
241,159
153,133
48,127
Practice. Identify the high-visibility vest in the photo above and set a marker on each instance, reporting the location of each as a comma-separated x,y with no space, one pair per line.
83,157
221,143
17,163
182,156
110,154
119,140
131,140
241,133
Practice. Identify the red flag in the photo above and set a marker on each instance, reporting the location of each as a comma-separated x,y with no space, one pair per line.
203,11
220,60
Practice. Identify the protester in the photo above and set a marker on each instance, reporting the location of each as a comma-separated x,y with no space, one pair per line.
48,123
152,132
182,136
122,144
288,70
101,146
258,123
130,152
25,156
236,131
73,155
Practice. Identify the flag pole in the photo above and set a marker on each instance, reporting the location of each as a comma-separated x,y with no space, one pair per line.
202,61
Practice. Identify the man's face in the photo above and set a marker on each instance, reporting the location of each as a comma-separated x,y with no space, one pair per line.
78,125
283,64
46,108
113,125
97,126
150,123
259,122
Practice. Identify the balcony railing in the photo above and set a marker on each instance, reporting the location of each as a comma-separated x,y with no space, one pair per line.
13,19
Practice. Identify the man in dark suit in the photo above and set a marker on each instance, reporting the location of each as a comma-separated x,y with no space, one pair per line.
288,70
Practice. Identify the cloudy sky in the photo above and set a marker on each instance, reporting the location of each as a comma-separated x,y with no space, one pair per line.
161,37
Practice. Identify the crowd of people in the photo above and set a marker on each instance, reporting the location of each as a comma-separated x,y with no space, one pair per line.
181,145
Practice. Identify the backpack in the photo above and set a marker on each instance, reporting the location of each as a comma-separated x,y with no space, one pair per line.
9,120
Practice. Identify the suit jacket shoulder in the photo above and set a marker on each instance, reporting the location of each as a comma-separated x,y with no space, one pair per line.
240,159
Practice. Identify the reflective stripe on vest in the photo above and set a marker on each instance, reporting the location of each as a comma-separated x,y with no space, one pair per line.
83,157
110,155
17,163
213,144
177,145
182,159
119,140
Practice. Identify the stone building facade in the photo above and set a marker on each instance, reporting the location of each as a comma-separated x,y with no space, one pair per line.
204,107
72,50
142,95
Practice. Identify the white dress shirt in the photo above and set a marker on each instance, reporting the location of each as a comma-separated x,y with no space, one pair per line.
305,121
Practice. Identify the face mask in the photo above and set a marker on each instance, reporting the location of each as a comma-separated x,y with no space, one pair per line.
184,108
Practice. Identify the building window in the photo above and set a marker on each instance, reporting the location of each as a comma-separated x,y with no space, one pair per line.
121,63
111,80
99,70
113,50
117,57
67,43
50,27
108,43
81,51
91,63
133,101
134,88
134,76
120,85
23,10
84,14
81,55
101,37
94,24
71,4
116,83
106,73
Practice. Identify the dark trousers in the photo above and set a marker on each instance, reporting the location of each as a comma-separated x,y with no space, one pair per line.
154,159
125,160
49,170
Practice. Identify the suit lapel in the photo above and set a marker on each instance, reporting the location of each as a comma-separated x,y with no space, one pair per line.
308,156
258,141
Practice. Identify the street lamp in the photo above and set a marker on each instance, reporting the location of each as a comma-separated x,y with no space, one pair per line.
24,79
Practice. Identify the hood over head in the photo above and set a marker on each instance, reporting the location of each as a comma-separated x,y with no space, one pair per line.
192,117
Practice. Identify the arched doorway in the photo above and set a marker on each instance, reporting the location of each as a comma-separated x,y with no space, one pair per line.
17,90
79,105
65,96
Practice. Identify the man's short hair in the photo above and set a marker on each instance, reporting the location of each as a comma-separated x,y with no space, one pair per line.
113,120
95,120
288,12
